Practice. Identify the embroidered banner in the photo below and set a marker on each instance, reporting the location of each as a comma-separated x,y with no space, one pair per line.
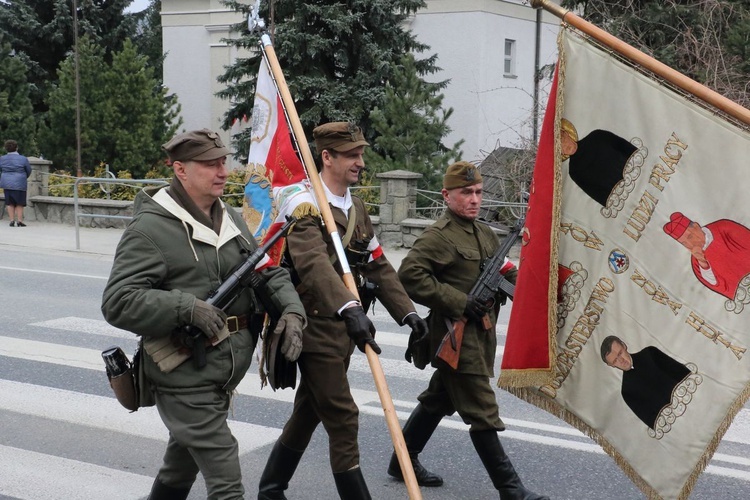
633,302
272,162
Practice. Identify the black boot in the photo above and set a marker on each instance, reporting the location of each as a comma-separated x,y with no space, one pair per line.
417,432
351,485
278,472
160,491
498,465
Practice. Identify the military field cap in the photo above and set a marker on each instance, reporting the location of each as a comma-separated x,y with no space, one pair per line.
196,145
461,174
677,225
339,136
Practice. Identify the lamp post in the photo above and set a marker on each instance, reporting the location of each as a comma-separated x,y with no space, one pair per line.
79,172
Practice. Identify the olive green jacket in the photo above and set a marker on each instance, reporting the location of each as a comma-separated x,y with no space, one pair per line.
164,261
439,271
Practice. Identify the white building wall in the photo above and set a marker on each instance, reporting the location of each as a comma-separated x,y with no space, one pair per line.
192,33
490,109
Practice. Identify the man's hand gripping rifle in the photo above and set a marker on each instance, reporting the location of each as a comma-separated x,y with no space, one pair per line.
242,277
485,290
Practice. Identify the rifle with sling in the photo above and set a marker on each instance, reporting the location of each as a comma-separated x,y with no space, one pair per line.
485,289
242,277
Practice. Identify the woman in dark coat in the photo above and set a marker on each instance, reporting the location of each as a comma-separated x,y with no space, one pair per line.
14,170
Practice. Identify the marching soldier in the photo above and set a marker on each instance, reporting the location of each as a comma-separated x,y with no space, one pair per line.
438,272
183,243
337,322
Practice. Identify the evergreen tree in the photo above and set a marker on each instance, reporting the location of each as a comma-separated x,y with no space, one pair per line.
410,128
41,33
148,37
123,110
709,41
337,57
16,113
140,108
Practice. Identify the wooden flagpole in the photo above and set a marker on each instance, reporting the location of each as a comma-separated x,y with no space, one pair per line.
662,70
376,368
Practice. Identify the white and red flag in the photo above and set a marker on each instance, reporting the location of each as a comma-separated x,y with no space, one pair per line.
631,313
273,163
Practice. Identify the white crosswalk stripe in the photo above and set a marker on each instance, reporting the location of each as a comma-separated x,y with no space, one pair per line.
19,477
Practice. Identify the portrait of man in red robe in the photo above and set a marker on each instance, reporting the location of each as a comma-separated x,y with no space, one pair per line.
720,253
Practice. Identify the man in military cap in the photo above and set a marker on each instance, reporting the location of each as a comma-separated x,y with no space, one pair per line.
438,272
337,322
182,243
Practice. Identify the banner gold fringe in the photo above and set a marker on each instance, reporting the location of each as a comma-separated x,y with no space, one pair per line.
532,396
524,378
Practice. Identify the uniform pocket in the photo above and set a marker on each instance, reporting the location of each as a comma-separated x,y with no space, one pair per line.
468,253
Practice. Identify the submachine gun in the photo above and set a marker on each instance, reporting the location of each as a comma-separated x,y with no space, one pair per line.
485,289
242,277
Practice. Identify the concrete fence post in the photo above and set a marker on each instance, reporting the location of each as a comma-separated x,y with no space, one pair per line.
398,199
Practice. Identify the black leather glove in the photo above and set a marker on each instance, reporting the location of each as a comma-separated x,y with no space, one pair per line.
290,326
475,309
419,331
359,328
207,318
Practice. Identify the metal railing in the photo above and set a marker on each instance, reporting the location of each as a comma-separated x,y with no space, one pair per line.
77,213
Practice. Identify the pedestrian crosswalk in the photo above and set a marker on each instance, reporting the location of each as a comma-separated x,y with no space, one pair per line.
97,411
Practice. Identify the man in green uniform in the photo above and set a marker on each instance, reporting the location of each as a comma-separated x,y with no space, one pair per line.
336,320
439,272
182,243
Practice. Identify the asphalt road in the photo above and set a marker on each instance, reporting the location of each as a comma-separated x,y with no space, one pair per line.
64,436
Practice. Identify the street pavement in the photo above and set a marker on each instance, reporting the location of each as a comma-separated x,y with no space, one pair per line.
57,413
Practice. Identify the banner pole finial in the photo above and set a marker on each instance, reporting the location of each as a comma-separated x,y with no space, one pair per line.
553,8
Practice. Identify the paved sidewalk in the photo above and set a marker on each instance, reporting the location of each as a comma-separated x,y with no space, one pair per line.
59,237
62,237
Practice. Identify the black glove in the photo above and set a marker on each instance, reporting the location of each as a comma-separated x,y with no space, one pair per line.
359,328
419,331
475,309
207,318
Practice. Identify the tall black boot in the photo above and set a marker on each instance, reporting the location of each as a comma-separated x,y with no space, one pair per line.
160,491
351,485
417,432
278,472
498,465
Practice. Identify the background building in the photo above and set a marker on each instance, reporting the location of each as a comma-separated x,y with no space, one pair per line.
486,48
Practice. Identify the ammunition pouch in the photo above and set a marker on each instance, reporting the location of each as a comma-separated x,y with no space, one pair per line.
418,351
367,293
143,387
357,254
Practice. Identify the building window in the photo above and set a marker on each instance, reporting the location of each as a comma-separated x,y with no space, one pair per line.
509,67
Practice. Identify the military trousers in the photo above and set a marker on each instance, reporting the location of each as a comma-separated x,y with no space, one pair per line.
200,440
469,395
324,396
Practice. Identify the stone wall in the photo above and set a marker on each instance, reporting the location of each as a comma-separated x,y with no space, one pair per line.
91,212
394,225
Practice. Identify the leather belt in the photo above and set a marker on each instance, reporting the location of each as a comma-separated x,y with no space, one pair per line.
237,323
